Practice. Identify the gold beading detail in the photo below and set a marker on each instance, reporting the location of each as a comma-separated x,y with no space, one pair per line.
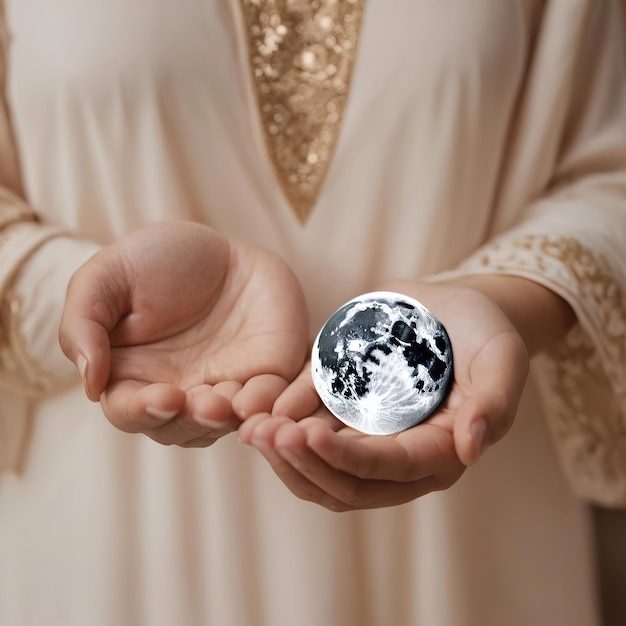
584,380
301,55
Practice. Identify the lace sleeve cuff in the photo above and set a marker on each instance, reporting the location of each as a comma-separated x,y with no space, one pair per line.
17,242
583,382
19,237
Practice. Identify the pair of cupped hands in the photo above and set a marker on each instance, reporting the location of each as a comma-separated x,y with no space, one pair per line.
185,336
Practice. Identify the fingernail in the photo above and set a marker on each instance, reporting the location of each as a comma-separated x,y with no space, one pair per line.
159,414
261,445
81,364
210,423
291,458
478,432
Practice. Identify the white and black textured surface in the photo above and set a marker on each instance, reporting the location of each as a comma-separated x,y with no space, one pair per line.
382,363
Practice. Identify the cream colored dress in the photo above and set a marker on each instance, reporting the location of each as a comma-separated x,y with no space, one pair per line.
362,141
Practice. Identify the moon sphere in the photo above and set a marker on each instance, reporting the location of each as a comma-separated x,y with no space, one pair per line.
382,363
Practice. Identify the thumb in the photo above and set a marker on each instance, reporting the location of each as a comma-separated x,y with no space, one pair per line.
86,343
95,302
497,377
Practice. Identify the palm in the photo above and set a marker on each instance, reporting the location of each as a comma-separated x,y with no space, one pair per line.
189,319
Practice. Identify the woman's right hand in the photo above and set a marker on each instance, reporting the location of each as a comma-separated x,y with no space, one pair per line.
176,330
322,460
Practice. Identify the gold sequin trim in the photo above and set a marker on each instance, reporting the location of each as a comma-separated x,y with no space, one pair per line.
584,381
301,55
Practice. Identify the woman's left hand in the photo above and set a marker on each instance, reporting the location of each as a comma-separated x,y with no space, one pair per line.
321,460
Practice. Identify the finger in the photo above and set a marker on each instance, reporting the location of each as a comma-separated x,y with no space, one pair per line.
416,453
498,375
228,389
263,439
246,430
211,407
258,395
337,486
300,398
133,406
206,414
94,303
86,343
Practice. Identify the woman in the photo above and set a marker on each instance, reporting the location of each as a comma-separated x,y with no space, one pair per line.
479,146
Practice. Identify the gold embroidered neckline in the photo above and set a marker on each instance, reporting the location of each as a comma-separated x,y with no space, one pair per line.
301,55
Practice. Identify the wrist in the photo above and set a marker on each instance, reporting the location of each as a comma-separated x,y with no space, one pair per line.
540,315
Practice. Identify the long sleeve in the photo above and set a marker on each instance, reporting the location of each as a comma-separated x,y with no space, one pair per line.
561,222
20,236
36,261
